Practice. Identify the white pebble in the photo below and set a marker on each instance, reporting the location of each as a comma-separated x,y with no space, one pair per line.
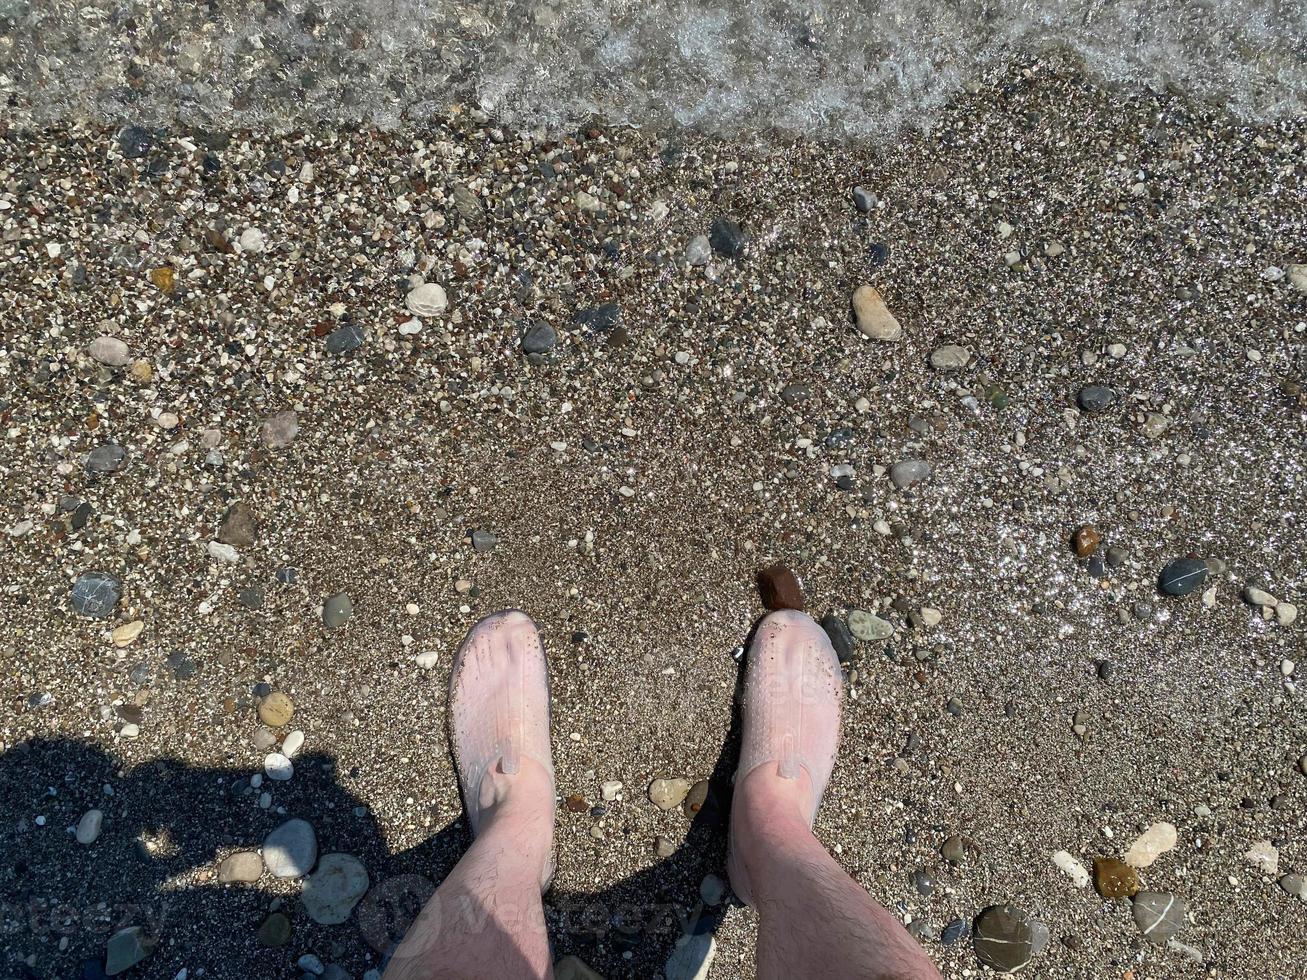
278,767
1073,868
223,552
427,660
252,240
292,743
610,788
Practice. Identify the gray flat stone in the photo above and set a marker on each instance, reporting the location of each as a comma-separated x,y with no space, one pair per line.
332,891
125,949
1159,915
243,866
336,609
1007,937
105,459
291,850
904,474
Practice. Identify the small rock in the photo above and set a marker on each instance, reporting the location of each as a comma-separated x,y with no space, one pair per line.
223,552
698,251
1072,868
310,964
135,141
840,636
1286,613
779,588
427,660
1265,856
251,597
278,767
863,199
873,317
125,949
426,300
279,430
727,238
484,541
953,850
609,789
949,358
106,459
692,957
663,846
238,527
1151,844
126,634
275,931
928,617
573,968
869,628
1159,915
599,319
276,709
1095,398
1086,541
955,930
344,339
336,609
712,890
908,472
291,850
1182,576
539,338
88,828
1294,885
668,793
292,743
95,594
1006,938
1259,597
1114,878
109,351
243,867
332,891
697,798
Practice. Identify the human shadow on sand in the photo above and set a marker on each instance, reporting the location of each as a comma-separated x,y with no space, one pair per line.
60,901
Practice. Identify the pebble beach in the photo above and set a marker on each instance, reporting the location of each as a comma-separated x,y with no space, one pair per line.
1013,405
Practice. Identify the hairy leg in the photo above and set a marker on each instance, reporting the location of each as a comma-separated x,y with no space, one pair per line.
814,920
486,919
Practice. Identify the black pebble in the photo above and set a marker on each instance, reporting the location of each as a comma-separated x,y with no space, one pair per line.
840,637
1095,398
726,238
135,142
599,319
344,339
1105,670
1182,576
954,931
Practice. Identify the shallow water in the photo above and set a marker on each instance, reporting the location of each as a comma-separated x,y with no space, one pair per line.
832,66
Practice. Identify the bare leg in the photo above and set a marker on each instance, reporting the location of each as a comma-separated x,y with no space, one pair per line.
813,919
486,919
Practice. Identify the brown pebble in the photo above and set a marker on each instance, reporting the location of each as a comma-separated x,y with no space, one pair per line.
276,709
1086,541
576,803
779,588
1114,878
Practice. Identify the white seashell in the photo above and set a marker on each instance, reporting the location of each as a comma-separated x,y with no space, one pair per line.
427,300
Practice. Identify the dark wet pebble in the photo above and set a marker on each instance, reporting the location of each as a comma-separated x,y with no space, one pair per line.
1182,576
81,516
1105,670
863,199
287,575
344,339
135,142
727,238
1116,556
539,339
1095,398
1096,566
105,459
877,254
840,637
923,882
95,594
1159,915
251,597
1007,937
599,319
839,438
182,666
796,393
955,930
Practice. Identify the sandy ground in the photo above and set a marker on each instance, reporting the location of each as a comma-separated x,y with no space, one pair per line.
636,477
